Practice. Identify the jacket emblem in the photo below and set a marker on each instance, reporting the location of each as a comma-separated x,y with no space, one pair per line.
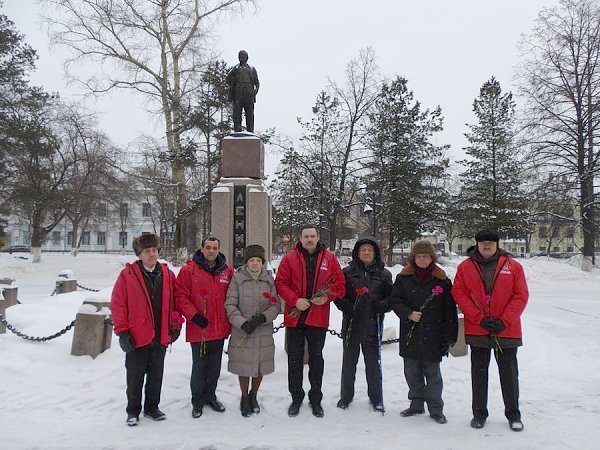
324,265
505,269
223,278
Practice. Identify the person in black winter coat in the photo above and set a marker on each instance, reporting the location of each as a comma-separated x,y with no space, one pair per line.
422,299
368,284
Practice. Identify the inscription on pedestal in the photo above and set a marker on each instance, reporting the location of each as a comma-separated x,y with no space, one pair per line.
239,225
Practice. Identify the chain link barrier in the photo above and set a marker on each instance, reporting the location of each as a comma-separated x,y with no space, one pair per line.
338,334
87,289
33,338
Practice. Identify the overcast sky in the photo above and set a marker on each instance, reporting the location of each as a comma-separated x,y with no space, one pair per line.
446,50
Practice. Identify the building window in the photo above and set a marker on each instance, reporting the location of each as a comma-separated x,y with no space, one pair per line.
542,249
85,238
123,211
70,238
556,250
101,238
569,249
556,232
543,232
146,210
459,247
102,210
570,232
123,238
55,237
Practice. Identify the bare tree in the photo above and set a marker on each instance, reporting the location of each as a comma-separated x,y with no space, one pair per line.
560,78
158,48
356,97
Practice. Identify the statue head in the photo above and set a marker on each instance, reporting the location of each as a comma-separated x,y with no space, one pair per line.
243,56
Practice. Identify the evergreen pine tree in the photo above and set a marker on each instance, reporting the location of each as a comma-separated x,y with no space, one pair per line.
491,196
406,170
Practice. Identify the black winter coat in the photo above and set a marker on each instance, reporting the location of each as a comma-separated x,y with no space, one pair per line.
359,316
438,327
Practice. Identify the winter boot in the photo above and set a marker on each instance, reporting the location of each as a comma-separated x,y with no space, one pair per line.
254,403
246,406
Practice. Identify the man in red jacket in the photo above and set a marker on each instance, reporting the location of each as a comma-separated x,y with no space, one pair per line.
309,278
200,294
491,290
142,309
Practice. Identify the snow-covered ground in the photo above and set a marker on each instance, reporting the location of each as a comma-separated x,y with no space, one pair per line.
51,400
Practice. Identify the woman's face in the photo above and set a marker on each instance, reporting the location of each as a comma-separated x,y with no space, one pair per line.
254,264
422,260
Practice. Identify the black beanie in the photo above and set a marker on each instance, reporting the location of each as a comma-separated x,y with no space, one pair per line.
487,235
252,251
145,241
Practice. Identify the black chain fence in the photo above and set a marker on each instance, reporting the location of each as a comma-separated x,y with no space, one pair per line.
87,289
338,334
34,338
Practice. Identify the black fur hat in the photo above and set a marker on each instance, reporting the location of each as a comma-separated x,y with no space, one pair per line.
252,251
487,235
145,241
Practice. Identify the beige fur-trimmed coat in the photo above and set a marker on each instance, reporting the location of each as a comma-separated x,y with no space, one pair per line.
251,355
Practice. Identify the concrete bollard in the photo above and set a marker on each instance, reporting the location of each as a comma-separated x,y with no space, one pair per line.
460,348
9,298
66,282
93,333
10,295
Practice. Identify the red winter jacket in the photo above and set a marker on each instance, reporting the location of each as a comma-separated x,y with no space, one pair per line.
508,298
131,306
197,291
291,284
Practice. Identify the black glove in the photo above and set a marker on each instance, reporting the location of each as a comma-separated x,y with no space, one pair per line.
499,326
494,326
174,335
380,307
200,320
488,324
258,319
248,327
126,342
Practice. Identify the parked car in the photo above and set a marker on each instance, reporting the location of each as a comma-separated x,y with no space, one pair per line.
19,249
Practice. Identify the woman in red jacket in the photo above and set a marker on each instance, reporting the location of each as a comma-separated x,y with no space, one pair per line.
491,291
142,309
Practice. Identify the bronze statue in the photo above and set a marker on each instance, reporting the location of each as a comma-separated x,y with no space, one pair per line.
243,87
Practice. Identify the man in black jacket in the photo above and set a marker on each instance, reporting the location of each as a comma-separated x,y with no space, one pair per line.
368,284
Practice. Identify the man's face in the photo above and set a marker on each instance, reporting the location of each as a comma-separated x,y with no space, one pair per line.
210,250
243,57
487,249
149,256
366,253
309,239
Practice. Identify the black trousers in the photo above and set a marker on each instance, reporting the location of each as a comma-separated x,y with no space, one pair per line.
509,381
295,347
246,104
350,359
425,384
149,363
206,369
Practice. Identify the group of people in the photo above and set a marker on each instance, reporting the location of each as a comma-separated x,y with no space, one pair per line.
149,305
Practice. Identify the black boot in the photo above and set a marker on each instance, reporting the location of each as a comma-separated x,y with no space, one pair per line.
254,403
246,406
